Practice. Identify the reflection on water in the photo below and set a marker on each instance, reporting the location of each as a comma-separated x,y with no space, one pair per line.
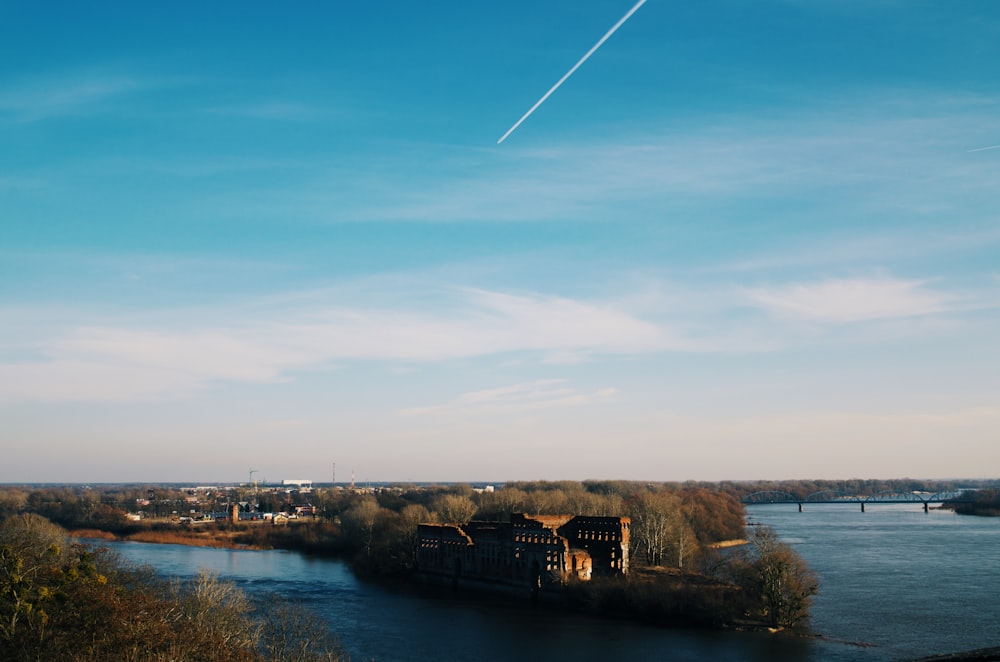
907,583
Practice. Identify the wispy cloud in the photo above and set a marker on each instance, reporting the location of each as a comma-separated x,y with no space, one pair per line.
128,362
99,353
529,396
50,96
847,300
876,246
900,151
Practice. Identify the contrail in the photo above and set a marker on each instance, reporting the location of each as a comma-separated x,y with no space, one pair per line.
575,67
981,149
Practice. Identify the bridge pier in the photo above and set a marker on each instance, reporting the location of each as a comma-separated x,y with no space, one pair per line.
926,509
862,506
800,507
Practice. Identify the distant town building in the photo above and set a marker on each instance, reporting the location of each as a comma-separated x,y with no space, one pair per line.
532,551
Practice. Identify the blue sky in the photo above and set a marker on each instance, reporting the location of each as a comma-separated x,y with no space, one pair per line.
743,240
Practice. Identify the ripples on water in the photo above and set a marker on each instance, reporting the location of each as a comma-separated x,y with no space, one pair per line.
901,581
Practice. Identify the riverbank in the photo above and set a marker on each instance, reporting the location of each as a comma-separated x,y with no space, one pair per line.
979,655
984,503
194,538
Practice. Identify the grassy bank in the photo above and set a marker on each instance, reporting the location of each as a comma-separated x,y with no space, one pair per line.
214,537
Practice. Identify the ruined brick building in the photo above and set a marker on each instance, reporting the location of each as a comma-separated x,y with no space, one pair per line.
533,551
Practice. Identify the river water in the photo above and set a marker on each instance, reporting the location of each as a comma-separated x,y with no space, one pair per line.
896,583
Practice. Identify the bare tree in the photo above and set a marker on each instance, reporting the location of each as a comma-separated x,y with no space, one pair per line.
218,609
12,501
360,519
454,509
780,577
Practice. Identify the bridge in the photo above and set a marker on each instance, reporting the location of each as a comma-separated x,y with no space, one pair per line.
834,496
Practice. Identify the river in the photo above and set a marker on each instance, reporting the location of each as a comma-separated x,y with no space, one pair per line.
896,583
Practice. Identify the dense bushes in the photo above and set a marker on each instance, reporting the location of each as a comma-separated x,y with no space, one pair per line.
63,601
663,597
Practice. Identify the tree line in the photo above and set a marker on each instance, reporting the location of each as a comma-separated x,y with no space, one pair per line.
985,503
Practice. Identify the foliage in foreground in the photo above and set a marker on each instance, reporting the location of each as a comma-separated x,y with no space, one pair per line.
63,601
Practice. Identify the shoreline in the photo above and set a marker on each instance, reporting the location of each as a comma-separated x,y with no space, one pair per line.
215,540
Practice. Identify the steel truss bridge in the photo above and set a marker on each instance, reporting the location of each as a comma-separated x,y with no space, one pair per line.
834,496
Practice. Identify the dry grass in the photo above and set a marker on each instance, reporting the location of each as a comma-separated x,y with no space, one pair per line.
93,533
165,533
221,539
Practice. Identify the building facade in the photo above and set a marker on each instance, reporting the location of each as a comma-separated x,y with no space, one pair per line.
533,551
